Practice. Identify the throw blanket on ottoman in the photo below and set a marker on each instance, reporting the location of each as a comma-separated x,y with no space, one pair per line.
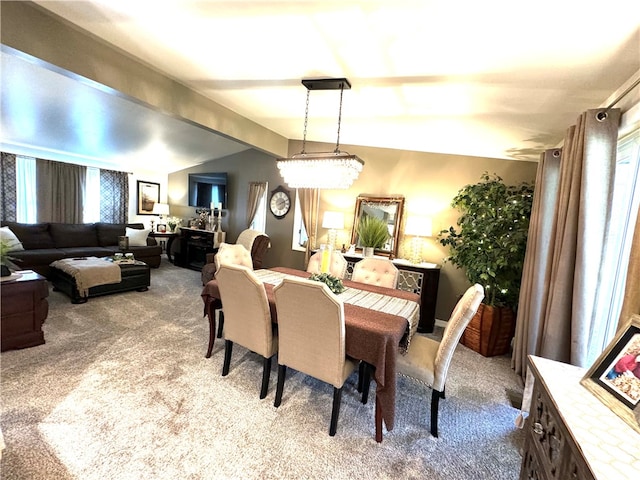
89,272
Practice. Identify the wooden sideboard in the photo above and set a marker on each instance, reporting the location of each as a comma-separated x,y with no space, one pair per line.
570,434
420,278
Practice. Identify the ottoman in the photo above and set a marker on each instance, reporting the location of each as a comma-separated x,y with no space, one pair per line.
134,277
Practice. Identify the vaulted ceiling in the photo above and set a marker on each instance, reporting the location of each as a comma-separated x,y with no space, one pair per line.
496,78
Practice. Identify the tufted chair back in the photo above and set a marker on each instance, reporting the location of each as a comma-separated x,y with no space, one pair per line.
233,254
376,271
337,266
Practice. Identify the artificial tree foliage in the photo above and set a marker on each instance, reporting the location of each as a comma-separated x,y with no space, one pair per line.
491,238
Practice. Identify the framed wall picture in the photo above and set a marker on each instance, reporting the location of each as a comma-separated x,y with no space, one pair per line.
615,376
148,196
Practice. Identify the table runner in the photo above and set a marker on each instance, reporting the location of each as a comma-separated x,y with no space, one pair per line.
408,308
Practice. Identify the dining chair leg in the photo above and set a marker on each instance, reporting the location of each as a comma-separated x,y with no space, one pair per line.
282,372
337,398
228,347
212,329
360,376
366,381
266,373
220,323
435,400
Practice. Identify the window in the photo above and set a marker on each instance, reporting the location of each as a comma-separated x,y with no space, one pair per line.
626,201
260,220
26,207
300,237
91,212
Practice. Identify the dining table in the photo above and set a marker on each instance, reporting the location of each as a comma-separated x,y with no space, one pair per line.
379,324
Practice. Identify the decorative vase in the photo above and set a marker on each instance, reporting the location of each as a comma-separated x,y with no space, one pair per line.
368,251
4,271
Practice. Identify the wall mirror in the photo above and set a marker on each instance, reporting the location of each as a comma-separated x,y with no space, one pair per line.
387,208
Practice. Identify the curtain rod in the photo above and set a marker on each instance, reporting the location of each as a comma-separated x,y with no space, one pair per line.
624,94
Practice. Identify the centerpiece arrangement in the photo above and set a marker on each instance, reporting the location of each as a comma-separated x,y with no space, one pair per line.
334,283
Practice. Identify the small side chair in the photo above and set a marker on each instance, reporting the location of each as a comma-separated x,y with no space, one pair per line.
428,360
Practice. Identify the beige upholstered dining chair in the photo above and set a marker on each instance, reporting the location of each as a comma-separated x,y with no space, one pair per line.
257,243
311,330
247,317
428,360
337,266
228,254
375,271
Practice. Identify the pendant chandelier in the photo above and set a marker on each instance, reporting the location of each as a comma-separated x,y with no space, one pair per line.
321,170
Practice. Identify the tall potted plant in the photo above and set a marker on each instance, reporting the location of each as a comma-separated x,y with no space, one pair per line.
372,233
489,244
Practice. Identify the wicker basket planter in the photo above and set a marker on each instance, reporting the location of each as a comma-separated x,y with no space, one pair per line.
490,331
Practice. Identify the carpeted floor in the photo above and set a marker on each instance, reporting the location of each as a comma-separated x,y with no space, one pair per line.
121,390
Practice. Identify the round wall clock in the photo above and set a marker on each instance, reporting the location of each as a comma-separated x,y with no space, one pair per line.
280,202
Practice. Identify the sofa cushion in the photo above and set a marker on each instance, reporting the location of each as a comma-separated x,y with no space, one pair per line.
66,235
108,233
27,259
32,235
137,237
10,238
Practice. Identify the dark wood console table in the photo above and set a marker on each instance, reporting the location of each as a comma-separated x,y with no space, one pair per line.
166,241
420,278
24,309
195,244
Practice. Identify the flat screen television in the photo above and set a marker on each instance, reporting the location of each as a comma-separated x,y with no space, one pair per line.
207,188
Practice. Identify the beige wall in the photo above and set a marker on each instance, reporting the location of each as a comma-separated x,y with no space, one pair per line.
428,182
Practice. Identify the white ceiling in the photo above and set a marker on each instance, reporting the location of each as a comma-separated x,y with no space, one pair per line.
495,78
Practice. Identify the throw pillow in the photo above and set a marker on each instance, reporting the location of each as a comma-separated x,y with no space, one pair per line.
137,237
8,236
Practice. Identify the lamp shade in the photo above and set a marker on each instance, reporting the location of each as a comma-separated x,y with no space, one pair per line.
419,226
333,220
161,209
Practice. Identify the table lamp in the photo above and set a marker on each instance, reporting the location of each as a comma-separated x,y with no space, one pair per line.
418,227
161,209
334,221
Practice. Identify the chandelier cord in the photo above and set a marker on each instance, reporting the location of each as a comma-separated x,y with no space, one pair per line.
306,118
337,150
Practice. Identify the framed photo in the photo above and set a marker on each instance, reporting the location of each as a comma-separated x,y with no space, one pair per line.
161,228
615,376
148,196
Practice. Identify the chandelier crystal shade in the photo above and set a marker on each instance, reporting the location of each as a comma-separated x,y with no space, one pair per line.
328,170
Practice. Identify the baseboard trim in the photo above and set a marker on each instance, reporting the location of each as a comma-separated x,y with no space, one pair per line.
440,323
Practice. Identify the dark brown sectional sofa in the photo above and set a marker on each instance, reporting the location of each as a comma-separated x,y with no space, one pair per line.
46,242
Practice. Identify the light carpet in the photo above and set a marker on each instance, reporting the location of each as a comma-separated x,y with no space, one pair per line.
121,390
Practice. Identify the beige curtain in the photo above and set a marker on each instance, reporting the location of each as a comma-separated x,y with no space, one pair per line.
536,271
631,301
60,188
309,203
557,318
256,191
